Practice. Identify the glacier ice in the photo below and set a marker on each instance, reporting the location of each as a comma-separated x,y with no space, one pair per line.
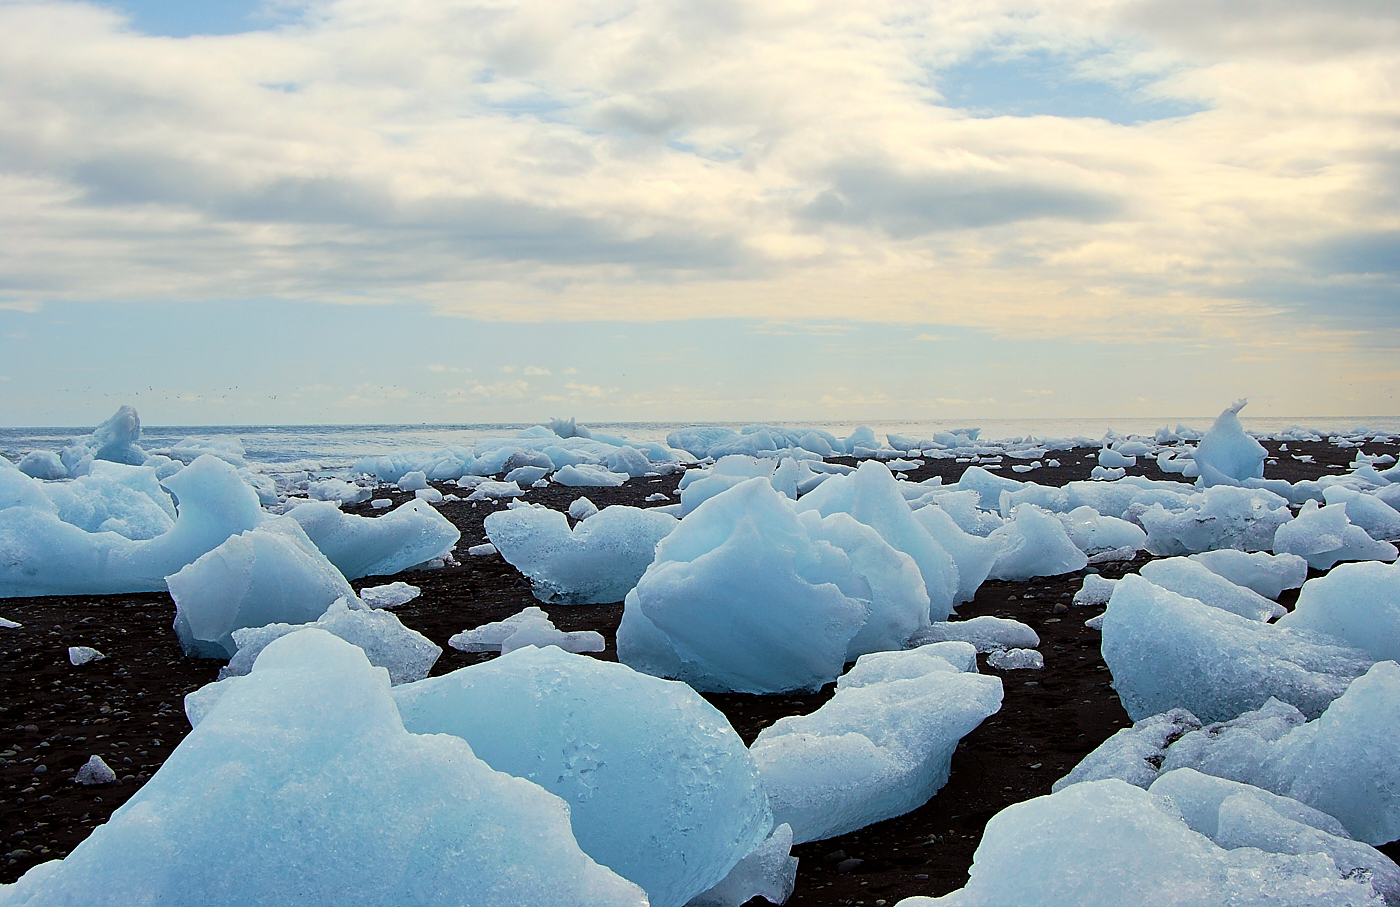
661,789
81,655
769,872
42,464
338,490
584,476
1190,578
1375,516
406,654
113,440
1267,574
1358,604
530,627
412,481
1096,590
1134,754
582,508
1034,543
411,534
1167,651
880,747
871,496
271,574
1324,536
1108,844
1227,455
42,555
1199,797
1221,516
1093,533
986,633
599,560
1016,660
389,596
973,555
749,595
301,784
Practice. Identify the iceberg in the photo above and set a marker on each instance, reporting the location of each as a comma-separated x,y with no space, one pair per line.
411,534
880,747
301,783
599,560
660,787
1227,455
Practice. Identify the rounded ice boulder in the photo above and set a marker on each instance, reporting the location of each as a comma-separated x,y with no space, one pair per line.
660,787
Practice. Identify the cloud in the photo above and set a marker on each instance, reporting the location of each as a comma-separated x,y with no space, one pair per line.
536,370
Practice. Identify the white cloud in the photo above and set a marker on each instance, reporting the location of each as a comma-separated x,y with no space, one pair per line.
536,370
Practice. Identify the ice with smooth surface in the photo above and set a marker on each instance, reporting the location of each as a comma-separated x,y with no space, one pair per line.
582,508
584,476
1094,533
406,654
389,596
1199,797
973,555
272,574
113,497
338,490
1358,604
661,788
1194,580
599,560
1034,543
1016,660
872,497
986,633
1267,574
113,440
1168,651
1227,455
1325,536
81,655
94,771
301,784
879,748
1221,516
7,624
749,595
1096,591
42,555
411,534
770,872
1109,844
530,627
1375,516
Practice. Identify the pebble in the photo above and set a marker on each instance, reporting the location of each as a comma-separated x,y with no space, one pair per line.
850,865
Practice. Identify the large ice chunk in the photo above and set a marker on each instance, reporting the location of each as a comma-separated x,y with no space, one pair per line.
302,785
872,496
770,872
1324,536
1034,543
42,464
114,497
1133,754
113,440
748,595
1093,533
1267,574
879,748
1167,651
1187,577
585,476
973,555
42,555
272,574
660,787
1219,517
1109,844
1375,516
406,654
597,561
410,534
1199,797
1227,455
1356,603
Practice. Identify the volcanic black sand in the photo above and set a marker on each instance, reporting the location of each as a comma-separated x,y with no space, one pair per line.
128,707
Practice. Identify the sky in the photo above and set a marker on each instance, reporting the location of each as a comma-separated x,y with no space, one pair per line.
275,211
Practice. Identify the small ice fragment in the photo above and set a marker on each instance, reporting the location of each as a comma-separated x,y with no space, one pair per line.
1095,591
1104,474
582,509
413,481
381,503
431,495
81,655
658,496
390,596
1094,623
9,624
1016,660
986,633
95,771
481,550
530,627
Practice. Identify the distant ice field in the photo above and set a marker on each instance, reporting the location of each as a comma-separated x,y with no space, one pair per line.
339,445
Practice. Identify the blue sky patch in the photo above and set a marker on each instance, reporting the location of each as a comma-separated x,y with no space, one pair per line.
1041,84
183,18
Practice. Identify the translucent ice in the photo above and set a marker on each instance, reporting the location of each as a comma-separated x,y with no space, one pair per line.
1377,518
1267,574
1167,651
1219,517
302,785
973,555
1227,455
1109,844
1133,754
1034,543
113,497
599,560
1096,591
338,490
661,789
389,596
530,627
748,595
987,633
42,464
81,655
1358,604
406,654
272,574
583,476
1199,798
582,508
769,873
1016,660
410,534
1093,533
878,748
1325,536
113,440
1189,578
